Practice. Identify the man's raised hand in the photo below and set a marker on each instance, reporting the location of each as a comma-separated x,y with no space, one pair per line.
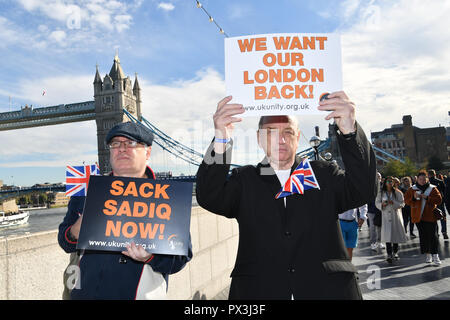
343,111
224,119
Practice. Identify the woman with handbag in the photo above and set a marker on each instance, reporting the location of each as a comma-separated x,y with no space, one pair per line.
390,201
423,198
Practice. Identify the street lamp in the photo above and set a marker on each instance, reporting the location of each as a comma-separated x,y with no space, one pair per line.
328,156
315,142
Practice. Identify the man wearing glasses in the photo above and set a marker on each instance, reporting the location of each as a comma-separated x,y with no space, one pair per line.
133,273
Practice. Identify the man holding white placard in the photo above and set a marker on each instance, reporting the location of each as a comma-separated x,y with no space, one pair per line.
290,242
289,246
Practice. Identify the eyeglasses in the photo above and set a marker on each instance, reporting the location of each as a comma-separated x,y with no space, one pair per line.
286,134
127,144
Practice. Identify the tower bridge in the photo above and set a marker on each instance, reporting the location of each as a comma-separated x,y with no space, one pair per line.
29,117
113,94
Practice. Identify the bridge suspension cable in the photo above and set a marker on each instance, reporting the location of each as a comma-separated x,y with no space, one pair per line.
169,144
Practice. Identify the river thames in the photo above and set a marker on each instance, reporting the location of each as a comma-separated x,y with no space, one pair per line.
40,220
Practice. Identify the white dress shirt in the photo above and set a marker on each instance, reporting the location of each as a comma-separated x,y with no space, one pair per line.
353,213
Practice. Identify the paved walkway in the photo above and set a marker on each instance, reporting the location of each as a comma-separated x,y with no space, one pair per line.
409,278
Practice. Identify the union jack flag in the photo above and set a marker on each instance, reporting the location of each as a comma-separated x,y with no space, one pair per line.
301,179
77,179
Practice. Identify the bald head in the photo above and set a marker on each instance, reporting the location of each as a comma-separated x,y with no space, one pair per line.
278,119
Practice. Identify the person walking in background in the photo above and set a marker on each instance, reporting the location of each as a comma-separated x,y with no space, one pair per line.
390,201
350,224
441,187
406,210
374,221
396,182
423,197
446,195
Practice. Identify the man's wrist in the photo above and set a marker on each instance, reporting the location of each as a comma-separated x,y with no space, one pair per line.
219,140
346,134
221,147
347,131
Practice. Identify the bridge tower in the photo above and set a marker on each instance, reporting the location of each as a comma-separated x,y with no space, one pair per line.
111,95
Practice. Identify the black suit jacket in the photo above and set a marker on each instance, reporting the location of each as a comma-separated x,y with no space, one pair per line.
298,249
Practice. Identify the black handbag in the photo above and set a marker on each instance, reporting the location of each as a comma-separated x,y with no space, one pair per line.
437,213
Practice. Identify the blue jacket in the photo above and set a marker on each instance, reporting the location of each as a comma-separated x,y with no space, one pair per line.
112,275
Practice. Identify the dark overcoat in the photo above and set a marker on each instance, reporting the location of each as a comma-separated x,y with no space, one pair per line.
295,250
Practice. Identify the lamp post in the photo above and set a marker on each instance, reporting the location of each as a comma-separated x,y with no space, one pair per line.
315,142
328,156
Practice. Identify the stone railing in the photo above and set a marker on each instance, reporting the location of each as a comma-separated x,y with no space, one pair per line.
33,265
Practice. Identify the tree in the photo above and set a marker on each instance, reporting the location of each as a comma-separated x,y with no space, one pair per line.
34,199
396,168
42,198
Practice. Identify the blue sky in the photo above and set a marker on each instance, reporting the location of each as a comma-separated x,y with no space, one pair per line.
395,58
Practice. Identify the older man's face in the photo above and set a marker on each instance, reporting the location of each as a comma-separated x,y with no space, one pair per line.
279,140
128,161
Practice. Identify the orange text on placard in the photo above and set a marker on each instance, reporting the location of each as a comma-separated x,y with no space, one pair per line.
145,190
282,43
137,209
132,229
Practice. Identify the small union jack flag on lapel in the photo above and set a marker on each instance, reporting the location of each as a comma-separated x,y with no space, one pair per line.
77,179
301,179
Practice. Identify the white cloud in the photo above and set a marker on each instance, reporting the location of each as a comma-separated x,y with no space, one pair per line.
57,145
59,89
86,20
58,36
166,6
394,57
29,4
122,22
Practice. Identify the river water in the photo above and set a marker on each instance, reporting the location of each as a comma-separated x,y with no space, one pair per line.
39,220
43,220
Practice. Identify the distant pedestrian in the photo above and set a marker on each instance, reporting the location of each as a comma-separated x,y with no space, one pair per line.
406,210
390,201
374,221
441,187
423,197
350,223
396,182
447,193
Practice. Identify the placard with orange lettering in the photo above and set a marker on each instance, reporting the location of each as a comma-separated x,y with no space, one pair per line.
275,74
153,213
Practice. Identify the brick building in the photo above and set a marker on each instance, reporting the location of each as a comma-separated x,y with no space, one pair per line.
405,140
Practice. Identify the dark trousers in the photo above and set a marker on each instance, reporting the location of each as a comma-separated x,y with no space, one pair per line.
390,246
428,234
406,213
443,226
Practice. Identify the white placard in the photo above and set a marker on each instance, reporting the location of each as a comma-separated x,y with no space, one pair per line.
276,74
